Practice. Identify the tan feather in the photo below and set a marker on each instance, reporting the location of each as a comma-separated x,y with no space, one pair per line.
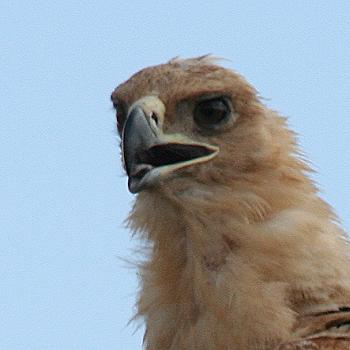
244,255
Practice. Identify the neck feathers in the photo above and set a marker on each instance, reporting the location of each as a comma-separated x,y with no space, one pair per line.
221,258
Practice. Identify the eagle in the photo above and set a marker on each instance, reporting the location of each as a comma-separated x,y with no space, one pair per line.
242,253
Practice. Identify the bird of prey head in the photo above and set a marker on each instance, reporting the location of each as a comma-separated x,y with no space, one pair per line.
193,120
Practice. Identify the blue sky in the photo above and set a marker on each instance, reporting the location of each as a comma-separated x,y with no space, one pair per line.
63,194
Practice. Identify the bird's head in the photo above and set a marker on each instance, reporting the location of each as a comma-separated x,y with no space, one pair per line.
192,123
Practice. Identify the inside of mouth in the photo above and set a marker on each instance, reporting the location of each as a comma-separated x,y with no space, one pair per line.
172,153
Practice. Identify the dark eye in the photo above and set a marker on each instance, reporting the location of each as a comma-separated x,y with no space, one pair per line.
212,113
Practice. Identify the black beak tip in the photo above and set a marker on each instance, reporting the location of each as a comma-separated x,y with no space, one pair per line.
131,185
135,185
137,136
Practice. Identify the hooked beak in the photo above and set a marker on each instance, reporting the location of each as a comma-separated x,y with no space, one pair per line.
148,154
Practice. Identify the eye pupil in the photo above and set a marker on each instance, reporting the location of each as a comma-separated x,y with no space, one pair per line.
211,113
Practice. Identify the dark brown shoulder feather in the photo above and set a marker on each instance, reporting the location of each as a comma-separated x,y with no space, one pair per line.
327,330
321,343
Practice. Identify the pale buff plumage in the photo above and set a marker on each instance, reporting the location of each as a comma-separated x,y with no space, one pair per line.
243,253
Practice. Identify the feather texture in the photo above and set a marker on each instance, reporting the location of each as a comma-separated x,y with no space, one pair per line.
244,255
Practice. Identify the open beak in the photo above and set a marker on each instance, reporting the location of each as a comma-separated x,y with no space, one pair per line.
149,155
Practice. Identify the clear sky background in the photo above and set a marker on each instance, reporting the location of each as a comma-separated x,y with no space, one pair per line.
62,191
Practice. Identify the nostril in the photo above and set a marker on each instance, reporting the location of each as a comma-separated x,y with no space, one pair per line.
155,118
